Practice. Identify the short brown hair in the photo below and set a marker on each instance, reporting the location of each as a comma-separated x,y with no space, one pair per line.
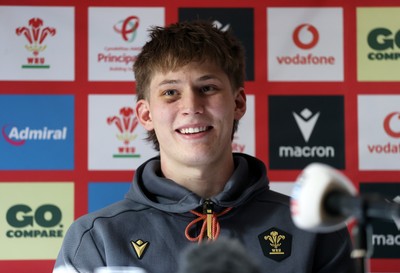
180,43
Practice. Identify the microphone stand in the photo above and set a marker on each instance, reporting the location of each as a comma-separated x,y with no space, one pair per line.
362,248
363,208
360,253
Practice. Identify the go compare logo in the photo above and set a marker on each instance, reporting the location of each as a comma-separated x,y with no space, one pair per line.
18,137
42,222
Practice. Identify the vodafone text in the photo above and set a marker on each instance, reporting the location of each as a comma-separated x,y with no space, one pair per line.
310,59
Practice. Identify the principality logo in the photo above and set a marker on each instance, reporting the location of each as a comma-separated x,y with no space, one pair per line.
301,43
388,124
127,28
126,123
35,34
276,244
238,147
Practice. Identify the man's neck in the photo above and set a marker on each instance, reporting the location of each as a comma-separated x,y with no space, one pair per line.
206,181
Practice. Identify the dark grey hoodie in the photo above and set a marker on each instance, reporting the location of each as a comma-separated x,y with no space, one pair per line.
147,228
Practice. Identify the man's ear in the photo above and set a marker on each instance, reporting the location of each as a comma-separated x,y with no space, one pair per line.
142,111
240,102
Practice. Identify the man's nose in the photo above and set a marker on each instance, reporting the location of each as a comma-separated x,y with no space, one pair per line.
192,103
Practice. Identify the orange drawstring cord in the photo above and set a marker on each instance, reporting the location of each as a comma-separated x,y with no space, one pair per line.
215,228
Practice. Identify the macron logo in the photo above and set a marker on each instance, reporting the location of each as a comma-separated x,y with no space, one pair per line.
220,26
397,219
306,122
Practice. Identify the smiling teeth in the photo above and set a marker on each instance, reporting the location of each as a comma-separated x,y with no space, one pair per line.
193,130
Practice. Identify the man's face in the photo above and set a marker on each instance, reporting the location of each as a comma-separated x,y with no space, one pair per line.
192,111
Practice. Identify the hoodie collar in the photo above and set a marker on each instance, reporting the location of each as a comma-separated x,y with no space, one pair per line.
150,188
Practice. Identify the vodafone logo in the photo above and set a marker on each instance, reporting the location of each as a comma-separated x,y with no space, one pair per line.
306,37
388,124
300,38
391,125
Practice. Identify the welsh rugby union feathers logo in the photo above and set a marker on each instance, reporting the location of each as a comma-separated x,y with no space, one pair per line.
125,123
35,33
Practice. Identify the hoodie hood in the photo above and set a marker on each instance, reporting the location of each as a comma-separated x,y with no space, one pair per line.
151,189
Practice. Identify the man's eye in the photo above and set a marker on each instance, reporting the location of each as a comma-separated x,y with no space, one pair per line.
170,92
207,88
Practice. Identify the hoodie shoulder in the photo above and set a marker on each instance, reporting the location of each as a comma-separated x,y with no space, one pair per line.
274,197
86,221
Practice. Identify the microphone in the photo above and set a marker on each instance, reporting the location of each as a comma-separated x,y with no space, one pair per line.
221,256
323,200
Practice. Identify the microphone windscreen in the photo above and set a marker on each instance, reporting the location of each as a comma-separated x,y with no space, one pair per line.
221,256
307,204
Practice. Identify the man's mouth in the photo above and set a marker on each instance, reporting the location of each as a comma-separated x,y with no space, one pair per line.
193,130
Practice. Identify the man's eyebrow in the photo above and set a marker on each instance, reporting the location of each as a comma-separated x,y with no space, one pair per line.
167,81
208,77
177,81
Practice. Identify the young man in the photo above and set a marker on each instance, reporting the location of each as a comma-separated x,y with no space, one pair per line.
190,88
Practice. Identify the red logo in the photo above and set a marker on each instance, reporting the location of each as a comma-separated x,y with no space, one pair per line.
387,124
126,124
127,28
9,140
35,34
305,45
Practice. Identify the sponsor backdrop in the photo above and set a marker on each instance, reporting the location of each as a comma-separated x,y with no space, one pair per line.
323,84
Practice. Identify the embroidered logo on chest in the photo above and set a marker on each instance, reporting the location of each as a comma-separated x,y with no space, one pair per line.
276,244
140,247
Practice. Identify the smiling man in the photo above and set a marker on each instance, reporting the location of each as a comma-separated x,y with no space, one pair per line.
190,90
192,110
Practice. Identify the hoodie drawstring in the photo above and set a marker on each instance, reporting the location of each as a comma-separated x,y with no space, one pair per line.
210,226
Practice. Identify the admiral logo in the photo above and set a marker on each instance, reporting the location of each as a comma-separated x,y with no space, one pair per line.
35,33
18,137
43,222
37,132
126,123
304,129
306,37
385,44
